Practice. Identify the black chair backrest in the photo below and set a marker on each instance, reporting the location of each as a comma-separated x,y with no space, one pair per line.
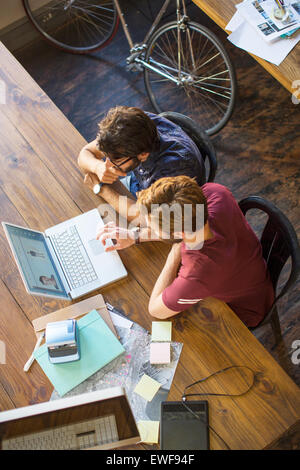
279,241
199,136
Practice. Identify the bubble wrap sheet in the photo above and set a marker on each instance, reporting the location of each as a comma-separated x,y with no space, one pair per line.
127,370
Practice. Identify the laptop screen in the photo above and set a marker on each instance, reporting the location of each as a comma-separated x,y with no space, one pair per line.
35,261
107,409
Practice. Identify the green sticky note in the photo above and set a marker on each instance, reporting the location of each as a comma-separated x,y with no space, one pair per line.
147,387
161,331
98,347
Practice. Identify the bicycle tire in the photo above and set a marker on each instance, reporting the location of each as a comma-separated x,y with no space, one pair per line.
167,96
36,18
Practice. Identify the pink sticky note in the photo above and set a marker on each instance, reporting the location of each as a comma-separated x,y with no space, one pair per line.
160,353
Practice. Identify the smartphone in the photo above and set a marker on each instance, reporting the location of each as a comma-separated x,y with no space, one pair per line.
182,430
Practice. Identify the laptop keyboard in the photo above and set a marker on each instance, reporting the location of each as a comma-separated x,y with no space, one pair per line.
74,257
83,435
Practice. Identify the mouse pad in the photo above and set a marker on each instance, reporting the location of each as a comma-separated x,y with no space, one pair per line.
96,247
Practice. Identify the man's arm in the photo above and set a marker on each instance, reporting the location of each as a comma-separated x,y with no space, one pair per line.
157,308
91,160
89,157
124,238
124,206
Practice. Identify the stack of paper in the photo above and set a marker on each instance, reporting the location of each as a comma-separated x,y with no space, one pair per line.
252,39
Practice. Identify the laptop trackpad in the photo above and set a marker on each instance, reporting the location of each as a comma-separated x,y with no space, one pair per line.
96,247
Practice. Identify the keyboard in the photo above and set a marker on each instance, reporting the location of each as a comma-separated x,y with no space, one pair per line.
82,435
74,258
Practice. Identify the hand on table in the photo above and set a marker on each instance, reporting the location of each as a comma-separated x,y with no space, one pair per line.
123,237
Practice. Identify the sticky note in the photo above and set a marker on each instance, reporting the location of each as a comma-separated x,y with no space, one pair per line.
161,331
160,353
148,431
147,387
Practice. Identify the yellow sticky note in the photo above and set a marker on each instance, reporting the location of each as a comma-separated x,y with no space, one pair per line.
161,331
148,431
147,387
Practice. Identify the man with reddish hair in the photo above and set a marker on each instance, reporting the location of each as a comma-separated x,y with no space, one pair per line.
216,256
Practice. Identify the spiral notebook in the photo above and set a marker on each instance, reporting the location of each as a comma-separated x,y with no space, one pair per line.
98,346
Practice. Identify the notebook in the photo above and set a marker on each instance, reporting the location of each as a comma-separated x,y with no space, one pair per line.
98,347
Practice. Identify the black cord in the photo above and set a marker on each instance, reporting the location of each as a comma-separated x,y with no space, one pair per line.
184,396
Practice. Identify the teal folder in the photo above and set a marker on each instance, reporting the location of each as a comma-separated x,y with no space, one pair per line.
98,347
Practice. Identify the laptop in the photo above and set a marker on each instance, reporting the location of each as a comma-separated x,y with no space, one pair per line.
66,261
96,420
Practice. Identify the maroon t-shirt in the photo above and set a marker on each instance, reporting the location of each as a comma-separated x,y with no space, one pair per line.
229,266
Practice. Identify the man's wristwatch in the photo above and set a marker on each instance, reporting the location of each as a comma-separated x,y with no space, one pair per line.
136,232
97,188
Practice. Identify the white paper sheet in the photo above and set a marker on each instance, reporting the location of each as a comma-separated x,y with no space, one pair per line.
245,37
235,22
120,321
260,14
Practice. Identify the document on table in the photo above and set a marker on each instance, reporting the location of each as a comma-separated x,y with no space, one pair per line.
245,37
118,320
261,15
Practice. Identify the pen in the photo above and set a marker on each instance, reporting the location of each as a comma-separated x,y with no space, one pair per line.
280,4
114,310
31,359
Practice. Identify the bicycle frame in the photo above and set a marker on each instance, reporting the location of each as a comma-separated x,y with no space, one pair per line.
152,28
136,50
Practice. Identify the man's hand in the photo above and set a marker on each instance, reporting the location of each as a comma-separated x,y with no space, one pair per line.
92,160
122,237
106,172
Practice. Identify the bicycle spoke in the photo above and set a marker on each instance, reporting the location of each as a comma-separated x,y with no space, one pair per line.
88,18
163,55
213,92
100,7
212,77
77,26
89,12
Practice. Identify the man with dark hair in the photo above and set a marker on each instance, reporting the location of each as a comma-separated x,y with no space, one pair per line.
143,146
217,256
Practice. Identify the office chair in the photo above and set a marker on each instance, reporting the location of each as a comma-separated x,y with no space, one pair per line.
279,242
201,139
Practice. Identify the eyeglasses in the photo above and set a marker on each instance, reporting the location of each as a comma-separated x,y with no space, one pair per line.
120,165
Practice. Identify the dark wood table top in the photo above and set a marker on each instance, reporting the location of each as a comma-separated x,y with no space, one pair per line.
41,186
289,69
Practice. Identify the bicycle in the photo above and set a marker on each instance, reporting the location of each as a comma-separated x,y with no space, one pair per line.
186,67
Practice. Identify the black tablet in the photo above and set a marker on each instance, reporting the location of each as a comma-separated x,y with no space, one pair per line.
182,429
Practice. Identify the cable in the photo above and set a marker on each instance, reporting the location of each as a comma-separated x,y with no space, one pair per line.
184,396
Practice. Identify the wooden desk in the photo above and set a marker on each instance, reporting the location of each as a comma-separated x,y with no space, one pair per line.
286,73
41,186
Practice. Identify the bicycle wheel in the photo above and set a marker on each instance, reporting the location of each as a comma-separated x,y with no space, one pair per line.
199,79
77,26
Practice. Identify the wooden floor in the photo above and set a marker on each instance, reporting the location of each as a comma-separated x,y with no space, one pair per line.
258,151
